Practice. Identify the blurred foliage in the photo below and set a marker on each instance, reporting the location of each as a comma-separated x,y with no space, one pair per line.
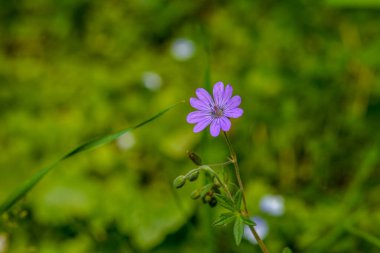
308,74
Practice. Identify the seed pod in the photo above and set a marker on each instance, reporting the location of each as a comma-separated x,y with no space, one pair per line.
23,214
193,176
216,187
195,158
195,194
206,198
213,202
179,181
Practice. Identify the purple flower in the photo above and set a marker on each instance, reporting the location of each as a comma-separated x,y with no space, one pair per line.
214,111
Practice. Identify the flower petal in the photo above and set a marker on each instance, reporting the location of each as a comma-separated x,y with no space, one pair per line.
233,102
199,104
215,127
202,125
225,123
204,96
233,113
197,116
218,91
227,94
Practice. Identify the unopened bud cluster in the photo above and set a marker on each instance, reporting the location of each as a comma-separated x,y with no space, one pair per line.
207,192
209,197
180,181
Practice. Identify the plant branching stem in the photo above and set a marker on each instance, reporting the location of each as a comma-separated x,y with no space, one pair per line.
208,169
240,183
219,164
224,187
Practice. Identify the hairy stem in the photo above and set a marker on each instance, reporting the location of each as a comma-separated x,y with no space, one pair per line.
240,183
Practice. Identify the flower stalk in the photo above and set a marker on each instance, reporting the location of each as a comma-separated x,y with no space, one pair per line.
241,187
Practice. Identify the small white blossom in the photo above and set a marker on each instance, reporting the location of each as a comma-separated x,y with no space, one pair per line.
126,141
3,243
182,49
272,204
151,80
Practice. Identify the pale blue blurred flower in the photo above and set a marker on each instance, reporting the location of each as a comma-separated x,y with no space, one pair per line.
3,243
151,80
272,204
261,228
126,141
182,49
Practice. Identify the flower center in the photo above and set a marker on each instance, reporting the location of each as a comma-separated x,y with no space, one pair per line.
217,112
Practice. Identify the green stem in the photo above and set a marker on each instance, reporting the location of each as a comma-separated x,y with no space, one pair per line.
219,164
240,183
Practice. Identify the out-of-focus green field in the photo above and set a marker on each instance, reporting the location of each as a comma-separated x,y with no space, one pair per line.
308,73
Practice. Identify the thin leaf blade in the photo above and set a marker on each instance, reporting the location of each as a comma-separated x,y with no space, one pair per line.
225,202
237,199
238,230
248,221
28,185
224,219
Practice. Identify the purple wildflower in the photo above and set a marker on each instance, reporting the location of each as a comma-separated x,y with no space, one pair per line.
214,111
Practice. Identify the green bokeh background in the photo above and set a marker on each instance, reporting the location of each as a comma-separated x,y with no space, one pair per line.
308,74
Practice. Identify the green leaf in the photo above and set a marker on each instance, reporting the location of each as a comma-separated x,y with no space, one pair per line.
29,184
237,199
225,202
248,221
238,229
224,219
286,250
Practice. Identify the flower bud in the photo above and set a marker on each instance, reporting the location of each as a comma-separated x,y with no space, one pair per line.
206,198
195,194
195,158
193,176
216,187
179,181
213,202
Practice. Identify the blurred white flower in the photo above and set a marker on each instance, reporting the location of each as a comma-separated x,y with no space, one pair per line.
272,204
3,243
126,141
151,80
183,49
261,228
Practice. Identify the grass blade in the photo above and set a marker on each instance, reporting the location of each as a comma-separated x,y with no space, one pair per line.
97,142
364,235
